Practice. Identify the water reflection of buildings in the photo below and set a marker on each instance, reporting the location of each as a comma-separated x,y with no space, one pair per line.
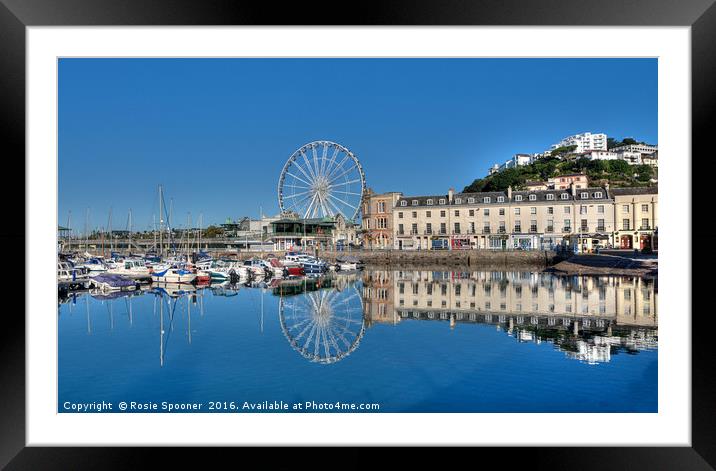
378,297
589,318
324,319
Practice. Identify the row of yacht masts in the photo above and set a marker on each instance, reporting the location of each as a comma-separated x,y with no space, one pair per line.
161,222
109,234
191,238
163,246
162,213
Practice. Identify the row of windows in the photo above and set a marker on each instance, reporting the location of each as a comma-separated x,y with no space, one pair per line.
549,227
471,290
518,307
501,211
644,208
379,207
380,223
626,224
501,199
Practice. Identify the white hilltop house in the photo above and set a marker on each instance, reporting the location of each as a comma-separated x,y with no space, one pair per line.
584,142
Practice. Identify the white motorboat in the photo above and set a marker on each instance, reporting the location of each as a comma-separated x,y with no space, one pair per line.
292,259
309,263
221,270
94,264
159,266
68,273
112,263
65,272
173,275
131,267
312,264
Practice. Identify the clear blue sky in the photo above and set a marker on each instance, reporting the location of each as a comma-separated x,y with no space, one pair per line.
216,132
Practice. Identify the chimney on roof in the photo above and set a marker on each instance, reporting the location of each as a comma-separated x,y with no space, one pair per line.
573,187
451,191
509,192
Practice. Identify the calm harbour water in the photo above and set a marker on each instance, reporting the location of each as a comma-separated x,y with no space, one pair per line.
410,341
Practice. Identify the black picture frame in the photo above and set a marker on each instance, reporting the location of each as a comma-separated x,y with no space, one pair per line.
16,15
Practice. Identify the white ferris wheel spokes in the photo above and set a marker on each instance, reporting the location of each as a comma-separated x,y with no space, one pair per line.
323,326
320,179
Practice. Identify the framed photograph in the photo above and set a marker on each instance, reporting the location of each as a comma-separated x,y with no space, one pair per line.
437,225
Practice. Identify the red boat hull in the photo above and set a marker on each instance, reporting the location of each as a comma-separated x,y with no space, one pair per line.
296,271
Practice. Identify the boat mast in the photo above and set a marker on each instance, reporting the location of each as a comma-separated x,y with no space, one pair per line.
186,231
109,232
170,235
161,224
87,230
161,328
201,224
129,247
69,227
154,230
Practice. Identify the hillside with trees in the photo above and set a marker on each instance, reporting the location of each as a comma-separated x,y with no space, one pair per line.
612,143
617,173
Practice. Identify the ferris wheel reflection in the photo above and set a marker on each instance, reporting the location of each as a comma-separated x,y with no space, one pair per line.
324,326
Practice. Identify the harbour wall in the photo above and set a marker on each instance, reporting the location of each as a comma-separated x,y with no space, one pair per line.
430,258
470,258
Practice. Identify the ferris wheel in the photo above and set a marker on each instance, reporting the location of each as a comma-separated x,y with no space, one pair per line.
322,178
323,326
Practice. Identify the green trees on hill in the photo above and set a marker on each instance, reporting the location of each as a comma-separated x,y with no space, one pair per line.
615,172
564,150
612,143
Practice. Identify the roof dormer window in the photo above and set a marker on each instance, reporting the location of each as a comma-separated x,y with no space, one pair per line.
430,202
442,201
550,196
486,199
458,200
403,203
415,202
565,196
500,199
533,197
518,197
598,194
584,195
471,200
